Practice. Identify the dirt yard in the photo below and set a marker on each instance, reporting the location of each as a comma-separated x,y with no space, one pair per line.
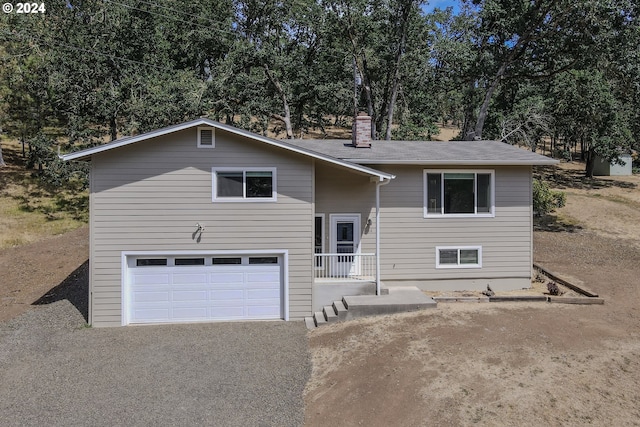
505,364
31,271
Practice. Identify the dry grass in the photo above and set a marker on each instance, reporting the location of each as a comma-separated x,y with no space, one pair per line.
31,211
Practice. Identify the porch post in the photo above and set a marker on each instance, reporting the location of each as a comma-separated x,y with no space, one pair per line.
378,238
379,184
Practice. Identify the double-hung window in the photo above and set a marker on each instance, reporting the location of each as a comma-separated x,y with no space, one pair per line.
459,193
244,184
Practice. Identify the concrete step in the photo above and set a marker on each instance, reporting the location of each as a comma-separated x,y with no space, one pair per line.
309,323
329,313
340,310
397,301
319,318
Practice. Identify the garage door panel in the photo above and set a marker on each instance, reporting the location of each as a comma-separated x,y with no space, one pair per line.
225,278
222,313
263,294
145,315
270,276
189,313
204,292
227,294
189,296
190,279
150,296
151,279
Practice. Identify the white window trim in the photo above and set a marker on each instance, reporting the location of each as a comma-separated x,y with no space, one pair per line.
459,248
244,199
322,221
213,137
426,214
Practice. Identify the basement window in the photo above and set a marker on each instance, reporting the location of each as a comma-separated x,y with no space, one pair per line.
459,257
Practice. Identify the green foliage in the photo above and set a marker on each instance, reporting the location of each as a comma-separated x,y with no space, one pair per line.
51,169
546,200
517,70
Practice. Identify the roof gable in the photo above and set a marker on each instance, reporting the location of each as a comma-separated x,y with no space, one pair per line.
87,153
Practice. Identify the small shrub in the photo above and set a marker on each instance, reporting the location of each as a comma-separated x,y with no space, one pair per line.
553,288
546,200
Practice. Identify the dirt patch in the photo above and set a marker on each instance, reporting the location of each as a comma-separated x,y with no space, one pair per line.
31,271
504,364
492,364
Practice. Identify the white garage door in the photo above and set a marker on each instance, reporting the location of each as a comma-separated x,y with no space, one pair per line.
201,288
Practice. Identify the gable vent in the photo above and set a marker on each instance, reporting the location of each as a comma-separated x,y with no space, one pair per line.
206,138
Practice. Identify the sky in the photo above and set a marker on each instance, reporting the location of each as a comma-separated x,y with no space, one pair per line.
442,4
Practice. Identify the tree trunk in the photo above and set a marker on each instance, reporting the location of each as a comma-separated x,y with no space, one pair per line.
368,95
484,108
366,84
113,128
590,163
392,102
2,163
286,119
406,10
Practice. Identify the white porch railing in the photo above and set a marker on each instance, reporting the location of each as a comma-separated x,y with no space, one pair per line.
345,266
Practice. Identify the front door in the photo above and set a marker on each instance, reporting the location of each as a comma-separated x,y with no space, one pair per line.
345,239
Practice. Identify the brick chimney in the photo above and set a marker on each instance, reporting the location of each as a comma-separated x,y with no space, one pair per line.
361,132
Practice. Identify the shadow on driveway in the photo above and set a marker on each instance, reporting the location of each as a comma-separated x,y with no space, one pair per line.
75,289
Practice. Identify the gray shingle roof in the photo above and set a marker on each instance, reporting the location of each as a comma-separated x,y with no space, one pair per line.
426,152
340,151
87,153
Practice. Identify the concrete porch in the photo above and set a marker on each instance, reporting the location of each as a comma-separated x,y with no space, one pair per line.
397,300
326,291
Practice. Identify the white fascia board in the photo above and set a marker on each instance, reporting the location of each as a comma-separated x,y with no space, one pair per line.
132,139
79,155
458,162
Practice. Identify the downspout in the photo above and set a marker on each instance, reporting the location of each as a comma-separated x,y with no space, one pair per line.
378,185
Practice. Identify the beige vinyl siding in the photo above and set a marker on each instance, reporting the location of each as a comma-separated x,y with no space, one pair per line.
409,240
149,196
339,191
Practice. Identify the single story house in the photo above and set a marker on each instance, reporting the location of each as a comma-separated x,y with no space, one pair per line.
202,221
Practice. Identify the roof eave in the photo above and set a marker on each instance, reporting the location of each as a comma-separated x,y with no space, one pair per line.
457,162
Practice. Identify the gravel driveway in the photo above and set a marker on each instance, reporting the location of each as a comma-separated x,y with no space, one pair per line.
55,371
